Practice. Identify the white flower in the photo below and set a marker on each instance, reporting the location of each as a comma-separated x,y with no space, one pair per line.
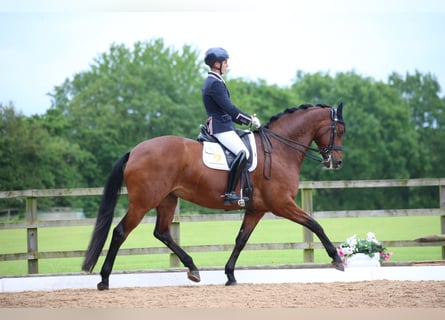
352,241
371,237
369,246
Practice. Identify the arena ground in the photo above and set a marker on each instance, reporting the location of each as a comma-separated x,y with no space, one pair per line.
395,287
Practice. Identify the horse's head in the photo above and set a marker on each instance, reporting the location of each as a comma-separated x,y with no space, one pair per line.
329,139
298,127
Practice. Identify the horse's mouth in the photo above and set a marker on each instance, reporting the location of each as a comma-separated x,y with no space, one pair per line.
331,163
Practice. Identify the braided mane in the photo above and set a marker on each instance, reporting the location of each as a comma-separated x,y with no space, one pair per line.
293,109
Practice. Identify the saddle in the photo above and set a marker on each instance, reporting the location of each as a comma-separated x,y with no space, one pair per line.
216,156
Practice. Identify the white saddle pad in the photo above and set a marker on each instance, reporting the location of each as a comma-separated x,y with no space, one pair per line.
214,157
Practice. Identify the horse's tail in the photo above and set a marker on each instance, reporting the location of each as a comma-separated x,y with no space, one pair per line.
105,215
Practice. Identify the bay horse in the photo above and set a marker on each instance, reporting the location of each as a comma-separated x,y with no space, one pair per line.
159,171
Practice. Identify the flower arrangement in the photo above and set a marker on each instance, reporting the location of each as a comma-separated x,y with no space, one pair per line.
369,246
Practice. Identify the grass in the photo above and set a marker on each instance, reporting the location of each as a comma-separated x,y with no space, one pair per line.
200,233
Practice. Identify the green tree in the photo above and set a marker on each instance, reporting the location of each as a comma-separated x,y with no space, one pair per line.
130,95
22,152
30,158
421,92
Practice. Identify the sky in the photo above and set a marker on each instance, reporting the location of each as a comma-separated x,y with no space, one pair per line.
45,42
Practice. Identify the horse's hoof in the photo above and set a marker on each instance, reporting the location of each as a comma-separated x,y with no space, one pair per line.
231,282
194,276
102,286
338,265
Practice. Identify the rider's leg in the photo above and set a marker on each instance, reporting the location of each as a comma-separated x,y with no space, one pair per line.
236,170
234,143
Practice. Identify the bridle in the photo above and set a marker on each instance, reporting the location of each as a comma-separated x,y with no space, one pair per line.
312,153
327,151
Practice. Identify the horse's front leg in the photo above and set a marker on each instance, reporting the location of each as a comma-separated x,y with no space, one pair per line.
316,228
294,213
248,225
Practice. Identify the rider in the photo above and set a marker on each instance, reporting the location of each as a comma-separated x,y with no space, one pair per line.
221,114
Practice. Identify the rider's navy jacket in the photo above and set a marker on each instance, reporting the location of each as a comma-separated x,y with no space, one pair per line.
220,110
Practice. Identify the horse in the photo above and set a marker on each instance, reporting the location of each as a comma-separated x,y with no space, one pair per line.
159,171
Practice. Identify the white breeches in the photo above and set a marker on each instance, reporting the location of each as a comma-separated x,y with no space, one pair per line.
232,142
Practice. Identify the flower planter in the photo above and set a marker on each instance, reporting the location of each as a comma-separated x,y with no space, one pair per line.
363,260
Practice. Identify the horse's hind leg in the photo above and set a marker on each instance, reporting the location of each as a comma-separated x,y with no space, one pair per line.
120,233
249,223
165,214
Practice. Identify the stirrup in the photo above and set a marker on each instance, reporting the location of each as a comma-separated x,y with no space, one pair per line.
232,198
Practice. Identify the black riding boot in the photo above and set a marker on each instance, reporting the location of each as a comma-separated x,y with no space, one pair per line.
236,170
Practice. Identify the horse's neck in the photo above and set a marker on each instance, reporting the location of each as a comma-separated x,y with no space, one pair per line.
302,127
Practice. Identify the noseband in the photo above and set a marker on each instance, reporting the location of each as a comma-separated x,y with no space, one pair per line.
326,153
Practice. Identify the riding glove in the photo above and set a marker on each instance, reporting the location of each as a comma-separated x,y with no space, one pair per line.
256,122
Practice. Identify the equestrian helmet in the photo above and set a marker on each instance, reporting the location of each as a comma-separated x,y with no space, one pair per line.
215,54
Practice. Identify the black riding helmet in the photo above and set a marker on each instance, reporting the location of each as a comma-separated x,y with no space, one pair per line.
215,54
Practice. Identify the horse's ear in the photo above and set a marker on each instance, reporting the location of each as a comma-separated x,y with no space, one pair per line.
340,111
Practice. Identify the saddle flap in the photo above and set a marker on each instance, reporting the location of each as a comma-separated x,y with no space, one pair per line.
215,156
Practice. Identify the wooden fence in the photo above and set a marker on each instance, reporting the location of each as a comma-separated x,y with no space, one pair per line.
308,245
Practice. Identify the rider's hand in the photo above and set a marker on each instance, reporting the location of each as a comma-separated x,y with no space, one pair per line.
256,122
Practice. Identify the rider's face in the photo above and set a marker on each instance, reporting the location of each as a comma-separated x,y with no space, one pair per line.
225,66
